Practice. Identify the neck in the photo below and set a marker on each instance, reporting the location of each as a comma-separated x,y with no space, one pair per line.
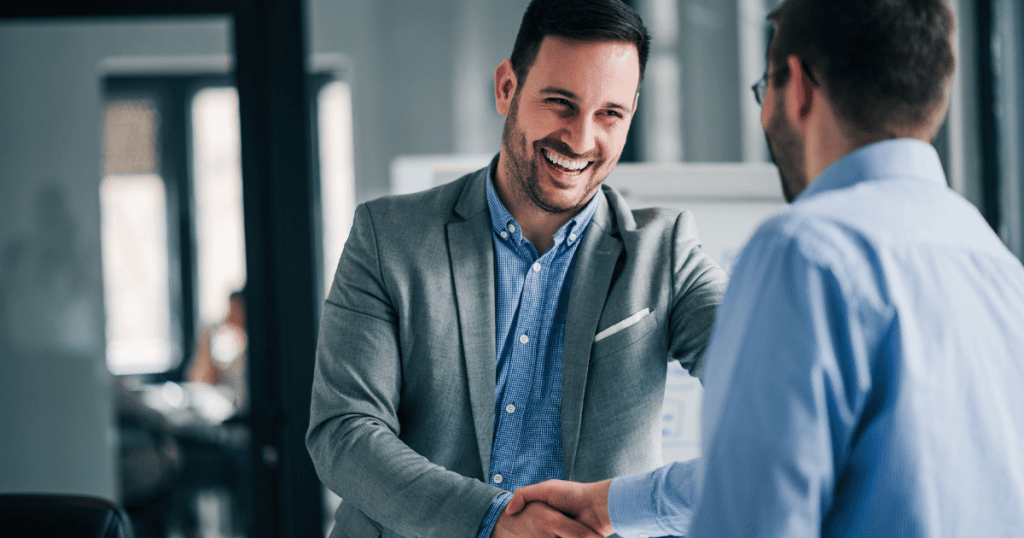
538,225
828,140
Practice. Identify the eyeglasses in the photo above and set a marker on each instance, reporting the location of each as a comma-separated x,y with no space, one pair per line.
760,87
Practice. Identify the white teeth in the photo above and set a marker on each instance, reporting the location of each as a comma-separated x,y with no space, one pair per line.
565,163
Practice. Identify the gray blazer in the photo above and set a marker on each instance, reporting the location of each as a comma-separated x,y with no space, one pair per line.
402,414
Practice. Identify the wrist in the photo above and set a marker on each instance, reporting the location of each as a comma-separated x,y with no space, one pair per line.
493,514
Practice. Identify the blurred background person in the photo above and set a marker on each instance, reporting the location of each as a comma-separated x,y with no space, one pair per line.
219,358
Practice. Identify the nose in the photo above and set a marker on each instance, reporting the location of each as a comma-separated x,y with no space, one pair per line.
581,134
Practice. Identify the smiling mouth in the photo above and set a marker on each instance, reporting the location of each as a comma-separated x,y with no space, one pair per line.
565,165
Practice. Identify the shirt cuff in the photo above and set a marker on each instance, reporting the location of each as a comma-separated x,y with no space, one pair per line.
631,506
493,513
658,503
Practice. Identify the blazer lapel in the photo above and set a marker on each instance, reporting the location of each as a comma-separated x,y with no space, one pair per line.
472,259
595,263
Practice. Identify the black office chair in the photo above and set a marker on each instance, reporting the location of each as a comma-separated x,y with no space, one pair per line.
53,516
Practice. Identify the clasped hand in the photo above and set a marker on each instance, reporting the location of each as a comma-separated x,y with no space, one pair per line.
557,508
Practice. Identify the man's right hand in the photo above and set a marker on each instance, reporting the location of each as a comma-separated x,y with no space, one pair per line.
587,503
537,520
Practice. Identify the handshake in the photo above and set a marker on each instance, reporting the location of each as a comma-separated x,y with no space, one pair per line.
557,508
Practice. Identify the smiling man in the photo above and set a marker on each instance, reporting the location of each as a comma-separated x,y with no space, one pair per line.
514,325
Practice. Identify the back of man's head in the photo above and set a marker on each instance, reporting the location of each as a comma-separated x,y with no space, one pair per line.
886,65
584,20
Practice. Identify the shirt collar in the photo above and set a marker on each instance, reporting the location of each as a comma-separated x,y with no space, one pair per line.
904,158
502,220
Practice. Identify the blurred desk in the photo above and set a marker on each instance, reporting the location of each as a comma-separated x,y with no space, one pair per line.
208,494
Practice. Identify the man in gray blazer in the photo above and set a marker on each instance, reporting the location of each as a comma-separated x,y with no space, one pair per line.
514,325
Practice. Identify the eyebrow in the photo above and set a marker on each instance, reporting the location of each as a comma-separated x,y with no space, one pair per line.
570,95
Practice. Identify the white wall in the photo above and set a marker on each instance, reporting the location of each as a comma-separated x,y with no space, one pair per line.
57,423
422,75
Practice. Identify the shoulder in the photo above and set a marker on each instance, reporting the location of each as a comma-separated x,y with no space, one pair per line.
645,221
805,244
425,211
397,225
440,200
818,232
659,231
664,239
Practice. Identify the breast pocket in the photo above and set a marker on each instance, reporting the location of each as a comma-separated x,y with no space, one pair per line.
624,337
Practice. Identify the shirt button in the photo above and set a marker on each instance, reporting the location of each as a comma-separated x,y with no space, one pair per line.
504,234
536,267
572,237
511,408
498,479
644,535
511,228
524,339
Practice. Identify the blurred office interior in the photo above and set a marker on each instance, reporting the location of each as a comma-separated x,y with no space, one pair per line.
146,177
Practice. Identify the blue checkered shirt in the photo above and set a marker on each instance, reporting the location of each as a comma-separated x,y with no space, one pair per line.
531,300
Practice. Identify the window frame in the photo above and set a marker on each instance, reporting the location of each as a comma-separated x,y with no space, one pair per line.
172,97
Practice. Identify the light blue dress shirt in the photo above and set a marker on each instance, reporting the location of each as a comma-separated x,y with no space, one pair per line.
865,375
531,300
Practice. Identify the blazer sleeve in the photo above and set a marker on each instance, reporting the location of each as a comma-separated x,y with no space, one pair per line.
353,436
698,286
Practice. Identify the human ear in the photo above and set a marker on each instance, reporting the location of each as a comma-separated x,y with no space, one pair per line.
505,83
800,91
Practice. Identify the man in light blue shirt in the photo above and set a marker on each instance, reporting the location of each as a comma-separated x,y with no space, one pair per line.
865,371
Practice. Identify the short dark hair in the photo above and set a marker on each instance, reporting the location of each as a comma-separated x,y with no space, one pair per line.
885,64
584,20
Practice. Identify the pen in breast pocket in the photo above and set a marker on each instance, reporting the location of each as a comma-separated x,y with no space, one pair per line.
631,320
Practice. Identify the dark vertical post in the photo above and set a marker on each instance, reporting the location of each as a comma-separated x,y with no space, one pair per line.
174,166
281,288
987,114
